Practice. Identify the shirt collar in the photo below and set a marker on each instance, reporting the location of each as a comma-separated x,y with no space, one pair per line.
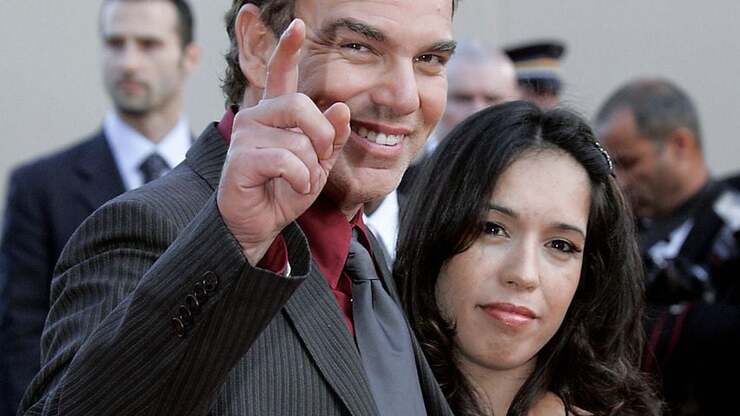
329,234
384,222
227,122
130,147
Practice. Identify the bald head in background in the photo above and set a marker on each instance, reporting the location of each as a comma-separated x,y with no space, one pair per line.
478,76
651,128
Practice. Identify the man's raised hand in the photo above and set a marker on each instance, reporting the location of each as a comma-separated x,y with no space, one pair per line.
281,153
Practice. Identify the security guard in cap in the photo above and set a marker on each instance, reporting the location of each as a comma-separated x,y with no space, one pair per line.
690,241
538,71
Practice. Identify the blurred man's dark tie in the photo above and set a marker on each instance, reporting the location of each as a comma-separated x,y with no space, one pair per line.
153,167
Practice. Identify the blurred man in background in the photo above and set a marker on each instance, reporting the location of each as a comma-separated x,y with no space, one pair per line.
734,180
147,55
538,71
7,404
689,227
478,76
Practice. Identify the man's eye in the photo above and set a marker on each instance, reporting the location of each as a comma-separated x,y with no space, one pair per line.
564,246
149,44
461,98
626,163
114,43
492,228
356,47
493,100
431,58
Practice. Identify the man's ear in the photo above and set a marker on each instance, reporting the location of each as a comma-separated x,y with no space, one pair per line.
191,58
683,141
256,42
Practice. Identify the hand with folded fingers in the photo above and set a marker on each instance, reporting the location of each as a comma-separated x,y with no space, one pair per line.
281,153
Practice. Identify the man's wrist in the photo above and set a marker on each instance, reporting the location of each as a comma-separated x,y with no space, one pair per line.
275,258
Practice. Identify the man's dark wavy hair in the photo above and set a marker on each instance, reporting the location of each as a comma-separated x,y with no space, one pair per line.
592,362
277,15
185,20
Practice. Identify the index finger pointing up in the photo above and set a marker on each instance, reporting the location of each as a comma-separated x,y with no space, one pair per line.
282,70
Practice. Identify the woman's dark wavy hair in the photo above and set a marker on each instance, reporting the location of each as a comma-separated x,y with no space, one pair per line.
592,362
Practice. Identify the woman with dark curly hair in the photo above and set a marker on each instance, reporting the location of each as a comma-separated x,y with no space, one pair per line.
519,271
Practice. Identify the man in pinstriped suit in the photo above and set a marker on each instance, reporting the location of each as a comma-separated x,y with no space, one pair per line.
219,288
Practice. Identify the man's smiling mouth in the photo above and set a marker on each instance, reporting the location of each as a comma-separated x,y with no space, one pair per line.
377,137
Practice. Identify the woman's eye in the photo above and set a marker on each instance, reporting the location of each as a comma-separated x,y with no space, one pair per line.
564,246
493,228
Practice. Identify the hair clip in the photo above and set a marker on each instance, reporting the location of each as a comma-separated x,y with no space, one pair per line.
606,156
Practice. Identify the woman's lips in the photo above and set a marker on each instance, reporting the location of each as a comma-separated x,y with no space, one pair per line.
509,314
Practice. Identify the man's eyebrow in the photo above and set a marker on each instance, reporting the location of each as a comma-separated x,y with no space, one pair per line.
330,30
447,46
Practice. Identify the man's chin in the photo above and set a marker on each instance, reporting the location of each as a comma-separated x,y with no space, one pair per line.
642,210
356,191
133,109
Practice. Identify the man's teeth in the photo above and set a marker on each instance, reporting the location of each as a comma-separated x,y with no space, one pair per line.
380,138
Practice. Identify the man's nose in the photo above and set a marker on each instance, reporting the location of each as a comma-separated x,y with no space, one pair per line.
624,178
129,57
398,90
479,103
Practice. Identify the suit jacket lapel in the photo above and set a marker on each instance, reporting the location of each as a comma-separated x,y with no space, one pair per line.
385,274
434,399
314,313
97,173
207,155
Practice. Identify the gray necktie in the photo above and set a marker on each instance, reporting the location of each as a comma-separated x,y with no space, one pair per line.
383,339
153,167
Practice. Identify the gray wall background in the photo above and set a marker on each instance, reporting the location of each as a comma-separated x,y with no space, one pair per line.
51,93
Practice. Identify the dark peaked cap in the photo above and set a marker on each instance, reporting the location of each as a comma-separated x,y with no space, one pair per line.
538,64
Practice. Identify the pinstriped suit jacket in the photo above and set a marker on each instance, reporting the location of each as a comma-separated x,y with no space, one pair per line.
259,344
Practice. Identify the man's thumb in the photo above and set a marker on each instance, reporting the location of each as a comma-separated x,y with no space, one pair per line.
338,115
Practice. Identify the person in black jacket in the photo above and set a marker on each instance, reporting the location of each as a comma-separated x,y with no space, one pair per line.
689,240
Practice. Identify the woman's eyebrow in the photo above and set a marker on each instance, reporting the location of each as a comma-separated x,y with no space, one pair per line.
513,214
569,227
502,209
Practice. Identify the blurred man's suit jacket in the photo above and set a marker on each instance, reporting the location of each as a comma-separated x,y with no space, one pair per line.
47,200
